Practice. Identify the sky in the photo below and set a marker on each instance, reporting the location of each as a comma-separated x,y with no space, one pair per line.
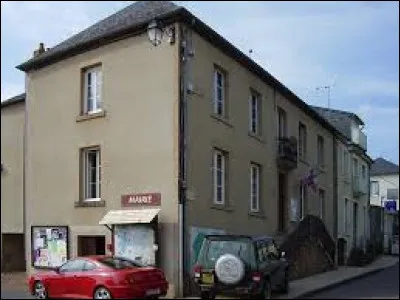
353,47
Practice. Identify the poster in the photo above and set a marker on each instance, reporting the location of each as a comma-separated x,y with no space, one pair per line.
49,246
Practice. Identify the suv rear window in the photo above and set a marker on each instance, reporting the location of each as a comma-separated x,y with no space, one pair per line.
213,248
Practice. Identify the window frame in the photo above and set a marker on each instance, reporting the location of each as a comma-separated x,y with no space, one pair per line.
375,183
255,119
85,172
98,85
302,148
320,151
303,196
216,172
223,88
255,169
322,201
282,123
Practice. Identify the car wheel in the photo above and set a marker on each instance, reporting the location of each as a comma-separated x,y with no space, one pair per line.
102,293
207,295
40,290
267,291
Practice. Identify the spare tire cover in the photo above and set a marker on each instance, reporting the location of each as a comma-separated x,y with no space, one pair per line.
229,269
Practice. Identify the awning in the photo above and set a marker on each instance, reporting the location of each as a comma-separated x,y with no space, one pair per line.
131,216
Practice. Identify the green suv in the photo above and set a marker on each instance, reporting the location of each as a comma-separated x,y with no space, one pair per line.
240,265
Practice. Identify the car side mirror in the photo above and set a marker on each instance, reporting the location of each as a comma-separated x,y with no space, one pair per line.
57,270
283,254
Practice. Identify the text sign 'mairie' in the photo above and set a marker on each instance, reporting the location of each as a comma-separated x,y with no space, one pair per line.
151,199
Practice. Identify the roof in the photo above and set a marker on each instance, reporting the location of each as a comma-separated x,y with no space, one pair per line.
14,100
134,19
382,166
340,119
137,14
133,216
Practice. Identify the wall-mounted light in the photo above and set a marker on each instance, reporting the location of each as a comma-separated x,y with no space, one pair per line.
155,32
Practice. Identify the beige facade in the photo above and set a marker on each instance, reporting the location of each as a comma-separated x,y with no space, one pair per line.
353,197
206,131
136,133
12,138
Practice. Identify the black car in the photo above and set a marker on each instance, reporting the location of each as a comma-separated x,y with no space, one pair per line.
240,265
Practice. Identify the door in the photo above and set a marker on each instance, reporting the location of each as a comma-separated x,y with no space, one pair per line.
282,205
135,242
85,280
355,223
91,245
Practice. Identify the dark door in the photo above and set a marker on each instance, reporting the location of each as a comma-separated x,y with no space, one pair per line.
355,221
282,202
91,245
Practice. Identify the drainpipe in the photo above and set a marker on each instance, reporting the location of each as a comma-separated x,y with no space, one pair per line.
24,167
183,57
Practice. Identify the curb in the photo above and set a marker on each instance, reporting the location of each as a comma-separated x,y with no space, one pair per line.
344,281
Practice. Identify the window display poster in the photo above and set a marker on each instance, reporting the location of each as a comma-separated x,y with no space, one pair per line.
49,246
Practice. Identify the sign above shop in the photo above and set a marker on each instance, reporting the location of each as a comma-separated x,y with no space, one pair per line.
147,199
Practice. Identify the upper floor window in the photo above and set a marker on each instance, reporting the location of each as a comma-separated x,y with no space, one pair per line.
254,113
92,97
91,173
320,151
302,141
374,188
219,103
254,188
345,162
321,194
364,172
282,126
219,177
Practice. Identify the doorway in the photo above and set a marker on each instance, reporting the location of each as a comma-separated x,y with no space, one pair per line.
13,252
355,223
282,202
91,245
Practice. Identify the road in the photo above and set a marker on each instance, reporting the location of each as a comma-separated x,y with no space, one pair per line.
382,285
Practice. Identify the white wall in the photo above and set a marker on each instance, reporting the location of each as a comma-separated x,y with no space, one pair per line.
385,182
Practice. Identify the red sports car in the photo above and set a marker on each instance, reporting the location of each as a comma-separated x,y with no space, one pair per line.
99,277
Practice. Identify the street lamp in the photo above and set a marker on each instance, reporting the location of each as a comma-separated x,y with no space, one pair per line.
155,32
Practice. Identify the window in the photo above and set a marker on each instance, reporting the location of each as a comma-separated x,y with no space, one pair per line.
345,162
302,141
254,112
219,177
75,265
392,194
321,204
92,102
303,195
282,130
91,173
89,266
346,215
119,263
254,188
374,188
272,251
321,151
364,172
219,92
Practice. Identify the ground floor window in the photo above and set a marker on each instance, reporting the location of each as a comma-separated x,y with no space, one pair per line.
91,245
49,246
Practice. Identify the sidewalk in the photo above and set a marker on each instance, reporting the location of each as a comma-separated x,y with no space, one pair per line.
304,287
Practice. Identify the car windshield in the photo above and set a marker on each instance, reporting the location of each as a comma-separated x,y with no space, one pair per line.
119,263
214,248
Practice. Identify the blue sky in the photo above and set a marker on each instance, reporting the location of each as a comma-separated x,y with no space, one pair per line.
351,46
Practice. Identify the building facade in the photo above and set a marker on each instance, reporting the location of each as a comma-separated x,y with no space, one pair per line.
384,193
185,133
12,180
353,171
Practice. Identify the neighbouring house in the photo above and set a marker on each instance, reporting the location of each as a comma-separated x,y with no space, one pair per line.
148,130
12,180
353,169
385,195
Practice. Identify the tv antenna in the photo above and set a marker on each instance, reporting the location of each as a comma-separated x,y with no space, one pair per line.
327,88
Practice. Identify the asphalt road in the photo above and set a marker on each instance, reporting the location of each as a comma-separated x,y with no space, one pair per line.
382,285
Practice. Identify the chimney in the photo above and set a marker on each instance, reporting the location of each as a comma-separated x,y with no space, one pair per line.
40,50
